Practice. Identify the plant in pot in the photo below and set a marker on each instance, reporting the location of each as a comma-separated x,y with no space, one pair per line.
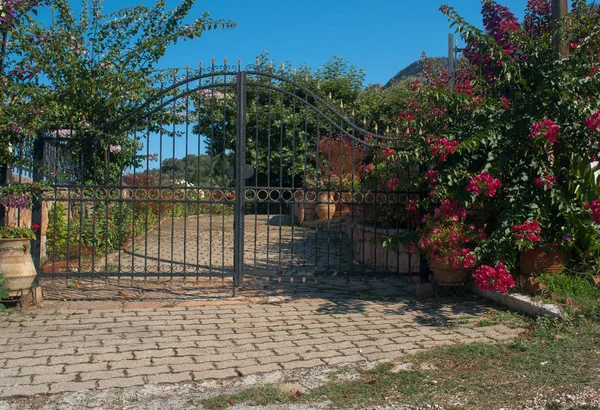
447,242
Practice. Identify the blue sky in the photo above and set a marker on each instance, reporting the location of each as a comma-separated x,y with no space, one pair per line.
381,36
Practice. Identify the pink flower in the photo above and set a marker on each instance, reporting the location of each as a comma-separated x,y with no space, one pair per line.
494,279
368,138
546,128
593,123
484,183
442,147
528,232
115,149
595,207
388,152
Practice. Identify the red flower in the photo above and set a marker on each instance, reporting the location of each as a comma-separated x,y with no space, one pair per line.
593,123
492,279
485,183
35,227
546,128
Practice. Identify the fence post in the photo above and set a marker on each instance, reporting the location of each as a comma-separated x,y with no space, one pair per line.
36,209
451,64
240,182
559,10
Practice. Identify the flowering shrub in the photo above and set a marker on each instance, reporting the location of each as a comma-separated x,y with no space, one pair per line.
446,238
493,279
521,126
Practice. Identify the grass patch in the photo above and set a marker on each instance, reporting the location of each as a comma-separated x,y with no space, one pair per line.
577,291
549,357
502,317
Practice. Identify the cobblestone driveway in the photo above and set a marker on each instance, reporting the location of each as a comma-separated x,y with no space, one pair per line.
65,348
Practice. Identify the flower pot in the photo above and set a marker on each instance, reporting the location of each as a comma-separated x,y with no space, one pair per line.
549,259
446,275
325,206
309,212
16,264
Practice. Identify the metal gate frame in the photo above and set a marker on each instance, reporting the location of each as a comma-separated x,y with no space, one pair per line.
336,120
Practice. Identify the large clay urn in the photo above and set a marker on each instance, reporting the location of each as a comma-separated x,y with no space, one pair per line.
325,206
16,264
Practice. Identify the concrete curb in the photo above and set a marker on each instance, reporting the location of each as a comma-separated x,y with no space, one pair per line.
522,303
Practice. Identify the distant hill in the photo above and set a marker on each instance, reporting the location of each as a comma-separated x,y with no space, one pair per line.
415,70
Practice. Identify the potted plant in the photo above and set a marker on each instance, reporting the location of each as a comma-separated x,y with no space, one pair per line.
447,242
15,258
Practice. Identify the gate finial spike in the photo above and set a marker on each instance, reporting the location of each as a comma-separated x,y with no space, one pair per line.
376,127
239,62
295,72
306,78
270,65
174,73
225,62
330,96
200,65
318,85
213,61
387,130
341,104
365,121
282,67
353,112
187,67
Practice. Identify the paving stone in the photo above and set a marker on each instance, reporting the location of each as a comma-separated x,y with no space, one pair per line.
24,390
302,364
26,362
67,386
101,375
39,370
215,374
262,368
122,382
235,363
147,370
169,378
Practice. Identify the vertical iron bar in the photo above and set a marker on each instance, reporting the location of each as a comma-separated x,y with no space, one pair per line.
240,182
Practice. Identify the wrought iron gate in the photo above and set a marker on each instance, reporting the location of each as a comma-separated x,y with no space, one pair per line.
224,173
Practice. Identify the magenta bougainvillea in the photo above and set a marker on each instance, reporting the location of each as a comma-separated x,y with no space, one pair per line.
484,184
494,278
546,128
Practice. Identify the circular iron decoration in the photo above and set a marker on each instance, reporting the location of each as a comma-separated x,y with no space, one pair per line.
262,195
153,194
274,195
358,197
369,197
250,195
114,193
311,196
101,193
166,194
287,195
217,195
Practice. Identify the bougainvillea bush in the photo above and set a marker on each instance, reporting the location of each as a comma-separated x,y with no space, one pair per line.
515,133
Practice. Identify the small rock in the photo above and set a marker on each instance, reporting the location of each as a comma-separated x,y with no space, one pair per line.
401,367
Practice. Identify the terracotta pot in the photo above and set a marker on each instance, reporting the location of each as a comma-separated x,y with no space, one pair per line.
325,206
16,264
446,275
309,212
549,259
